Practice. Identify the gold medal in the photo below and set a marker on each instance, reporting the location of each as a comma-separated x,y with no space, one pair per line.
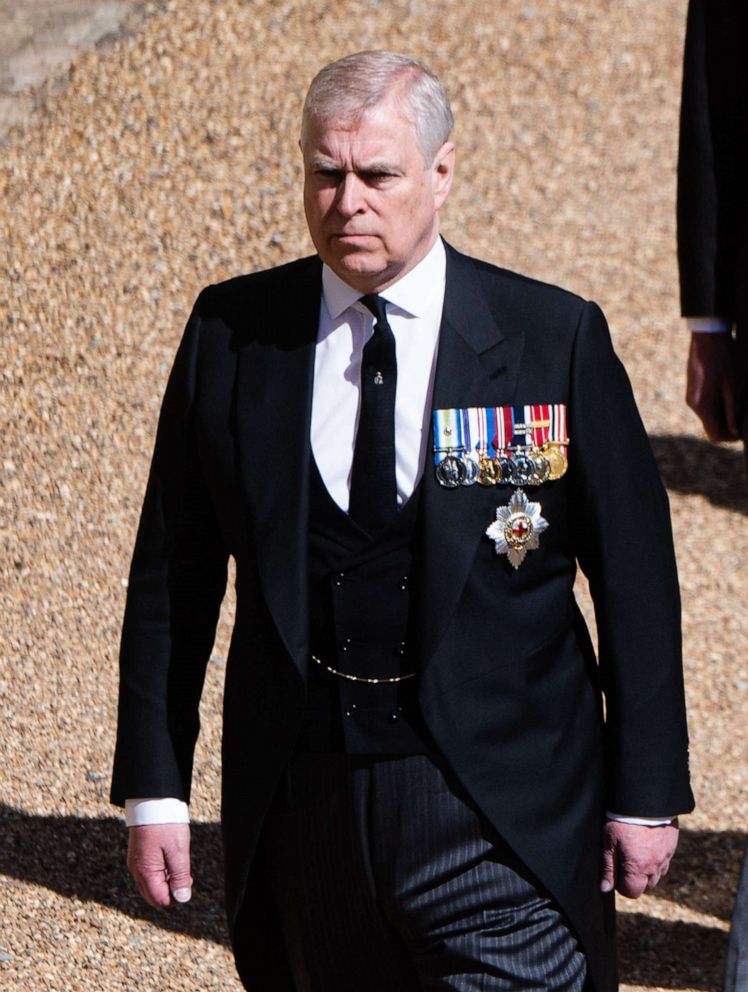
488,471
555,453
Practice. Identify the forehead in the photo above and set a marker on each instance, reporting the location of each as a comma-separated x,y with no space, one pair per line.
382,131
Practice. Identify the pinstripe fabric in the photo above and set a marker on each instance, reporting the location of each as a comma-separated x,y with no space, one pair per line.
386,879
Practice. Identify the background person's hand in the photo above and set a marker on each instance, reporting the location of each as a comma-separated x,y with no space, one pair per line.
635,857
158,858
711,384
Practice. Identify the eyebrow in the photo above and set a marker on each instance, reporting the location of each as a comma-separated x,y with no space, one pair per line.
375,165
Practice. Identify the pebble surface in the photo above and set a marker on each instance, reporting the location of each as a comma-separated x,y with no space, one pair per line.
168,160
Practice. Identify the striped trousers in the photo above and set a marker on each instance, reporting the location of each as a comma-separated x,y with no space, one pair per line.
385,878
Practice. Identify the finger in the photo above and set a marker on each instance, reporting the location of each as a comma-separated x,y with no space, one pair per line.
713,420
653,880
153,888
608,876
717,432
154,894
632,885
731,414
149,872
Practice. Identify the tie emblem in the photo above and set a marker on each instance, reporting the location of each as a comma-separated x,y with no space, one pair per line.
378,379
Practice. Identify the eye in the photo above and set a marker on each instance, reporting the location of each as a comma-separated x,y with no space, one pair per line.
329,177
377,178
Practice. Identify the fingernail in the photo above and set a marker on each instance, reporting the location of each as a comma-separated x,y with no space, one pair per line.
606,886
182,895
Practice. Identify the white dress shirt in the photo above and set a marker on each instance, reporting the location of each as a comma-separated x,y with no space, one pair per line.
709,325
414,312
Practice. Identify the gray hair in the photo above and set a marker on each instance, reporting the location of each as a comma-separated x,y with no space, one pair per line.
346,89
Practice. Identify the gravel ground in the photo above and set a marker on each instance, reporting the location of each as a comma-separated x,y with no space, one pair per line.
168,161
40,38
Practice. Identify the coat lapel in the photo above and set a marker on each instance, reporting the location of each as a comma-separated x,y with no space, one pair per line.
477,365
273,412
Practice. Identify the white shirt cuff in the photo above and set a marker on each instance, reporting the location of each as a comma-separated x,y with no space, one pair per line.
641,821
147,812
708,325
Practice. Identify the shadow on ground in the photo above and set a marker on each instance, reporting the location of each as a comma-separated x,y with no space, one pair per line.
692,465
85,859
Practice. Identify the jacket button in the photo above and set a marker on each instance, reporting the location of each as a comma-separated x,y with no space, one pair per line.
400,649
393,717
404,583
345,645
339,579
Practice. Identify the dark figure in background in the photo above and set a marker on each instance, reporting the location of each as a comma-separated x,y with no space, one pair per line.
713,214
713,257
407,451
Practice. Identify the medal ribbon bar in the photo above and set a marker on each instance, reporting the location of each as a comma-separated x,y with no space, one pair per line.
515,445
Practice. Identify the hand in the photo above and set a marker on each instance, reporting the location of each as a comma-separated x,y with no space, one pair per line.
158,858
711,384
635,858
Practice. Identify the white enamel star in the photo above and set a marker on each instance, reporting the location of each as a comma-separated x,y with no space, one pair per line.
517,528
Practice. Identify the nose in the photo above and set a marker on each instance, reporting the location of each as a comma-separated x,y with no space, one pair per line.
351,195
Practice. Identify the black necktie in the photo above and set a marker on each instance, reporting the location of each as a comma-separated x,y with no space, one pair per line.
373,502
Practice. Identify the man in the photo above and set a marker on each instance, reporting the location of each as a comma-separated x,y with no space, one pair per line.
713,257
713,214
416,766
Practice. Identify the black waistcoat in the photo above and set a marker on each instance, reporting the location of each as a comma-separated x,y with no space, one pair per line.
361,595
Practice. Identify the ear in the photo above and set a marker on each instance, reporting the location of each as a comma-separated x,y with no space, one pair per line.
442,170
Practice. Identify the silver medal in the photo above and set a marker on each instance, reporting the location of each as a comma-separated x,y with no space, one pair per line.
517,528
451,472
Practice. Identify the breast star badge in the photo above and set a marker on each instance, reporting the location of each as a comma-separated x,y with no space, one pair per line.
517,528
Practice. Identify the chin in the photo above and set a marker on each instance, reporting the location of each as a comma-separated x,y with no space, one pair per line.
357,266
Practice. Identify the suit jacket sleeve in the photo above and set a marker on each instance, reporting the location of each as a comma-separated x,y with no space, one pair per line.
621,531
713,156
177,582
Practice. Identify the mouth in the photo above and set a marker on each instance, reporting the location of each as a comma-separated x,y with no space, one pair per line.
352,237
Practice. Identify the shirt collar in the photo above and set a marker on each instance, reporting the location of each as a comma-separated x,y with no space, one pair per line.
412,293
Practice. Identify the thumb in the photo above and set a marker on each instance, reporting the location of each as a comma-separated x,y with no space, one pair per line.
731,413
608,875
178,875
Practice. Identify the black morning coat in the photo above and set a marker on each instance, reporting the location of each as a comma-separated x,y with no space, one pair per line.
510,689
713,169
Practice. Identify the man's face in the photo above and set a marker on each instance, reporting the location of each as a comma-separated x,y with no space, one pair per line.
370,201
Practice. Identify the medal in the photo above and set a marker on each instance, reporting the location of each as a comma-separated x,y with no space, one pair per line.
542,468
554,440
472,470
517,528
451,472
523,470
488,471
450,469
555,454
528,443
506,467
